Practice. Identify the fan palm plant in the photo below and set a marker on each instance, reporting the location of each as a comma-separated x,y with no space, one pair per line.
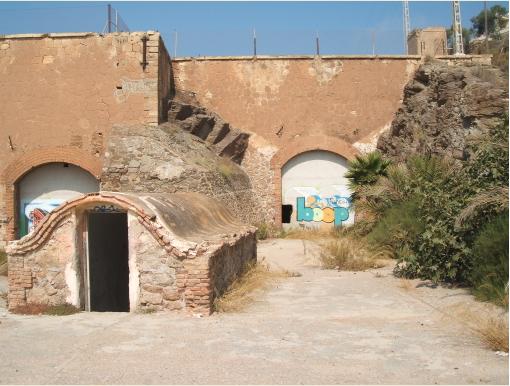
366,169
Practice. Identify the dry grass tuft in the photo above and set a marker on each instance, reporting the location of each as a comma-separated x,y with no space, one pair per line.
497,197
349,255
406,284
494,334
241,292
490,326
46,309
307,233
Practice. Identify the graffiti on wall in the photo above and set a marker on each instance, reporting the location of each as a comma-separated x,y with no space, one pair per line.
332,209
106,209
34,212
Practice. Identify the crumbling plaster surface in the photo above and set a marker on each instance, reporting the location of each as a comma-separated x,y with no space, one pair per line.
67,90
280,99
45,276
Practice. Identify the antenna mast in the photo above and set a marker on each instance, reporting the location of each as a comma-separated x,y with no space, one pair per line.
407,24
458,44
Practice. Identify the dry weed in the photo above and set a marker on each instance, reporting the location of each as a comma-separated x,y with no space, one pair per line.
307,233
492,329
241,292
46,309
494,333
406,284
349,255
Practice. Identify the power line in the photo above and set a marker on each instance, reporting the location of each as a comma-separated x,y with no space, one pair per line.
49,8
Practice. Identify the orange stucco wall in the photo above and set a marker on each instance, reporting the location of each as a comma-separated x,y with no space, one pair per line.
61,94
282,98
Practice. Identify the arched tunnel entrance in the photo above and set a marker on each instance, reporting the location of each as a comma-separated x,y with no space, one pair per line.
315,192
44,188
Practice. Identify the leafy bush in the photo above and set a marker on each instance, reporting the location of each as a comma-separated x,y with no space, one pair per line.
489,274
399,226
429,212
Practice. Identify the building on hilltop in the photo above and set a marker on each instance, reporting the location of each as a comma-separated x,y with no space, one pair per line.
429,41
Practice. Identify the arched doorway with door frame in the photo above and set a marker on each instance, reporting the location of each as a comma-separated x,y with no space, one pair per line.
297,147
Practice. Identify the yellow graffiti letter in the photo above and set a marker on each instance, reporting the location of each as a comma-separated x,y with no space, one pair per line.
328,215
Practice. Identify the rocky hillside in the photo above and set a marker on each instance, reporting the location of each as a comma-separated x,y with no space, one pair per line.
443,105
167,159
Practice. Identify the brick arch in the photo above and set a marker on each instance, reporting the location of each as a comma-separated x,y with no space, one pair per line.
300,146
33,159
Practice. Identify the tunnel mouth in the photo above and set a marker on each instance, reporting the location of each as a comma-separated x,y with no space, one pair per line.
108,265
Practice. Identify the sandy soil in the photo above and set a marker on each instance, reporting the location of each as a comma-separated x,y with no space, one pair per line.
322,327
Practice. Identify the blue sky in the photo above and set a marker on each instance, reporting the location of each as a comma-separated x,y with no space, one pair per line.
226,28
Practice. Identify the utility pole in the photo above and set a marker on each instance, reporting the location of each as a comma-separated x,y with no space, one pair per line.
486,28
373,43
458,45
175,43
407,24
317,46
254,43
109,18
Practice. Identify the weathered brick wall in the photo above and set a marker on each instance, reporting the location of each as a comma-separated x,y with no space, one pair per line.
40,277
229,261
65,91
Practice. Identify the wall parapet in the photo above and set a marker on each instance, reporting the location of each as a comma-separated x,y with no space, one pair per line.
66,35
327,57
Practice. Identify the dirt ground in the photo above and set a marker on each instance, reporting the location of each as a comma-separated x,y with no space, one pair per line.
324,327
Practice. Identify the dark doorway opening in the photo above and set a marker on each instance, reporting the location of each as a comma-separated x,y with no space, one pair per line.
108,262
286,213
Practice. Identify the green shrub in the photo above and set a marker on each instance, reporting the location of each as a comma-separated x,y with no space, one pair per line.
399,225
366,169
489,274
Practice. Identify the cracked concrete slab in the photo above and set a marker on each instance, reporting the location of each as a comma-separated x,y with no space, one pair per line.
324,327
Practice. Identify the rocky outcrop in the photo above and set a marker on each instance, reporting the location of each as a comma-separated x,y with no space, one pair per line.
442,106
167,159
186,112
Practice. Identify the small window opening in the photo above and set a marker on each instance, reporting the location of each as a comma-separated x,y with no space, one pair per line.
286,213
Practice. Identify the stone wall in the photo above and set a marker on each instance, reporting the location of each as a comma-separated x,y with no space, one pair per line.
61,94
167,159
229,261
44,276
183,251
155,270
